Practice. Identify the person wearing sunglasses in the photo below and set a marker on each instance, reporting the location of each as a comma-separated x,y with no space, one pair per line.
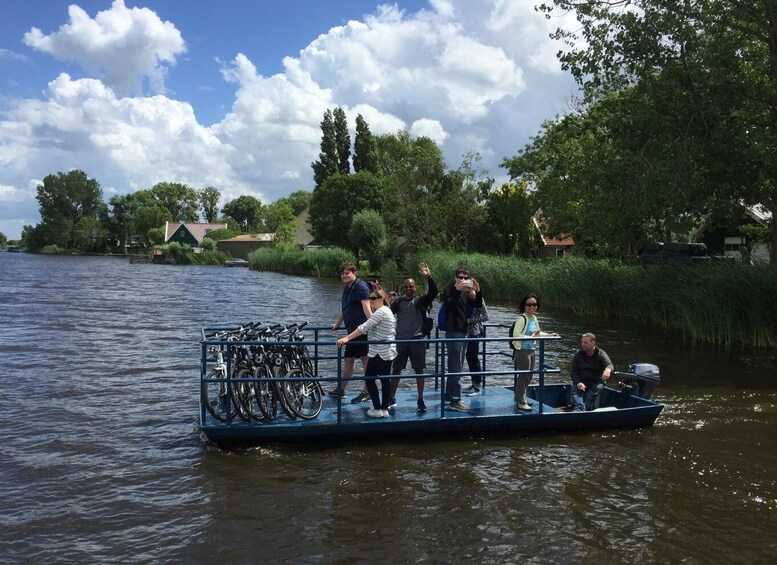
464,292
381,326
524,356
411,311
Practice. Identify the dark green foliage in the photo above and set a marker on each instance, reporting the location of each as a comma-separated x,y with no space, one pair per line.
335,203
70,207
299,200
180,200
209,198
343,142
364,153
247,211
368,235
700,80
328,162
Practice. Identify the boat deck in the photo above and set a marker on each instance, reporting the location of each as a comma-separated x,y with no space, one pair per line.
494,411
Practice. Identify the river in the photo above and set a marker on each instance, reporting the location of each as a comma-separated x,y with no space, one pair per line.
102,460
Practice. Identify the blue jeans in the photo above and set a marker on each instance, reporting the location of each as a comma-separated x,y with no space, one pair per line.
584,400
457,352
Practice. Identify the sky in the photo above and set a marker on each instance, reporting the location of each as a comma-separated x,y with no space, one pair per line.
231,94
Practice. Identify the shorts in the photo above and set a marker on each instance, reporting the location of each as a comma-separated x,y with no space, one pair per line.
357,347
416,352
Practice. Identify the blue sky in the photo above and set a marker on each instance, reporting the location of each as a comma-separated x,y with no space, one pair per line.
231,94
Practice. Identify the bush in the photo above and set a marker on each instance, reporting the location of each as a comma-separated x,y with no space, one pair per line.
177,254
291,260
53,249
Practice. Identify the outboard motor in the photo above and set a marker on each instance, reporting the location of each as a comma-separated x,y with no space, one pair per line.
640,380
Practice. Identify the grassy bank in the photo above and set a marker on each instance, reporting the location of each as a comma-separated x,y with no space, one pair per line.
722,303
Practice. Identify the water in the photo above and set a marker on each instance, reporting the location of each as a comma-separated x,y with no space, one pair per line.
102,460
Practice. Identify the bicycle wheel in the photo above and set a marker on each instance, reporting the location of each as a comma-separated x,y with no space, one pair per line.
264,393
244,397
213,395
305,397
279,388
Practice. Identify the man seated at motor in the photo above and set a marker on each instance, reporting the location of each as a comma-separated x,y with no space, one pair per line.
591,367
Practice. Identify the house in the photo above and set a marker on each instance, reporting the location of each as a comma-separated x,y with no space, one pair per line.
546,246
303,237
735,239
241,245
189,233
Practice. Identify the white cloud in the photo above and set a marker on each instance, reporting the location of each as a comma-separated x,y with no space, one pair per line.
8,55
122,45
429,128
474,75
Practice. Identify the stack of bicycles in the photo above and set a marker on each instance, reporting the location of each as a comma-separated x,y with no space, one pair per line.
270,368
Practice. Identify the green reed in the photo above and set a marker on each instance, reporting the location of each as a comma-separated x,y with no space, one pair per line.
715,302
293,261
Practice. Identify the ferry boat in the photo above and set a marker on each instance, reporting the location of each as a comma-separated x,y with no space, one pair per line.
226,421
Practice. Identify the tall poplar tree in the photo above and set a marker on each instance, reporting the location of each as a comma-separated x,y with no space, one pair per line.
327,164
365,157
343,142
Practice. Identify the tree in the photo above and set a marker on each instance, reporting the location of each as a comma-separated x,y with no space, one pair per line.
337,201
178,199
65,199
328,162
364,155
3,238
247,211
368,237
617,174
281,221
510,225
719,57
299,201
343,142
209,198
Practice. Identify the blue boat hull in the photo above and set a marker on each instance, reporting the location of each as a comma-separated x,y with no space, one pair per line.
493,413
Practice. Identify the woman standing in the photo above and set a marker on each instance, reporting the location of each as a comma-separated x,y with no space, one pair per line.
381,326
526,324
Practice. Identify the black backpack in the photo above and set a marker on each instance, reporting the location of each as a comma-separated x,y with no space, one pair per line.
428,324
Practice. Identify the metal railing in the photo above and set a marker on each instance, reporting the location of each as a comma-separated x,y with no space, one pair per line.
321,358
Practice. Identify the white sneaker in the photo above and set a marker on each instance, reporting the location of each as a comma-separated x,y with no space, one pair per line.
373,413
385,413
472,391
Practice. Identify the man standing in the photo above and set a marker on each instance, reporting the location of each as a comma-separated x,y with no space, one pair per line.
591,367
464,291
355,309
411,312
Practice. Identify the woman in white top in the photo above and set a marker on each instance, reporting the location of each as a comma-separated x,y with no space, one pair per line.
381,326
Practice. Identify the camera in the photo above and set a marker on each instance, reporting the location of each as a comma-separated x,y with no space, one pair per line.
468,283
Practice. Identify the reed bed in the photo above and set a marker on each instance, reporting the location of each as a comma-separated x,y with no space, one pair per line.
722,303
293,261
714,302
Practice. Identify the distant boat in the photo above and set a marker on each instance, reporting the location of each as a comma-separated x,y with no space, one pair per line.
236,263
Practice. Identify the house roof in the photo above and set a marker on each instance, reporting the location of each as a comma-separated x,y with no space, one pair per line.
254,237
303,236
198,230
542,227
